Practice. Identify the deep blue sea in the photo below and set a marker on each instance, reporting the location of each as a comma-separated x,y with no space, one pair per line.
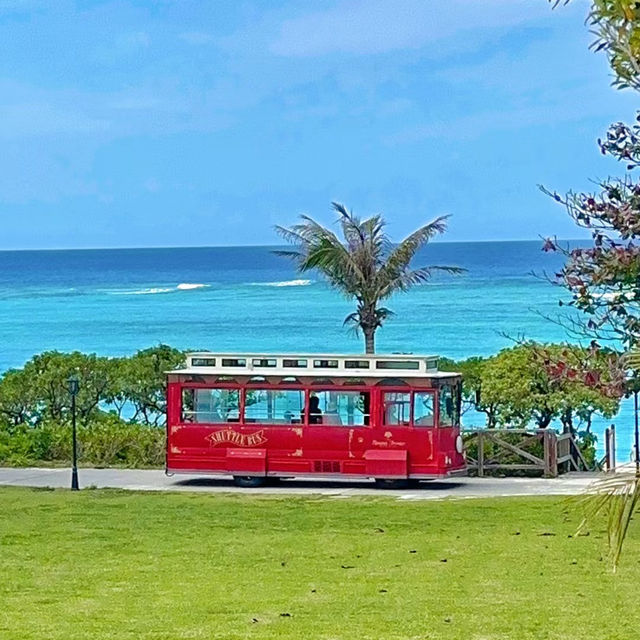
116,301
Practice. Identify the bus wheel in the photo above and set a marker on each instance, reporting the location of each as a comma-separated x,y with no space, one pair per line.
249,481
386,483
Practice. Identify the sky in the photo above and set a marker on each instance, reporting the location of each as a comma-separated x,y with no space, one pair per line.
138,123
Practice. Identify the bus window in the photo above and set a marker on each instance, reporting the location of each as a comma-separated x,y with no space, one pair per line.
274,406
446,407
423,408
397,408
210,405
344,408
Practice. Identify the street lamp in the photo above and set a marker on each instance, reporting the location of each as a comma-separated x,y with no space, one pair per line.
73,387
637,431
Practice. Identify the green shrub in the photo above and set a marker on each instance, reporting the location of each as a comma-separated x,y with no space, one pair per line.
106,441
586,442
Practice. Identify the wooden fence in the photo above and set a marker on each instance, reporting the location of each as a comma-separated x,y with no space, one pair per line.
542,450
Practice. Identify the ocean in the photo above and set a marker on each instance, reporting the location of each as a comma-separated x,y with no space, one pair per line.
116,301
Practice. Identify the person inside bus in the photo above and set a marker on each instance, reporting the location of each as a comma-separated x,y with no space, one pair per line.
315,414
365,399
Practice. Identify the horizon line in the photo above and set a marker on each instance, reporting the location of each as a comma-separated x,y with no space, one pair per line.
260,246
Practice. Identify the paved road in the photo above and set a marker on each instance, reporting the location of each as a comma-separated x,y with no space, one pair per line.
145,480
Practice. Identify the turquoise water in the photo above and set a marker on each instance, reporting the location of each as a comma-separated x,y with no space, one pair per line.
247,299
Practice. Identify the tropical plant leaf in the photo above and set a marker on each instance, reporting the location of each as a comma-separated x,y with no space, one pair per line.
617,497
631,359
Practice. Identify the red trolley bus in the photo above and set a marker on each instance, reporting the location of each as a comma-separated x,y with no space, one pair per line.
255,416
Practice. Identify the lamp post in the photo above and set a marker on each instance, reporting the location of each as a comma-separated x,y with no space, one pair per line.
637,431
74,386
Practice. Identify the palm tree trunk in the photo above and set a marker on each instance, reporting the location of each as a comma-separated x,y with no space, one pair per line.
369,340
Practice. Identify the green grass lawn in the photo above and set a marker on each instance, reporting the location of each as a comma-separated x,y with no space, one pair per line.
111,564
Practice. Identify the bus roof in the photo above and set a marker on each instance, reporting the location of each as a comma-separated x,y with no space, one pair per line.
313,364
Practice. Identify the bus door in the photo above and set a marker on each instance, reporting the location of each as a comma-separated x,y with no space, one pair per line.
388,454
338,430
424,435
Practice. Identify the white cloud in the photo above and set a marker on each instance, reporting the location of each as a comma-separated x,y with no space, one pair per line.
561,109
379,26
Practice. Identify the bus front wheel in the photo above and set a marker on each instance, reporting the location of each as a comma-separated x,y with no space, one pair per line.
387,483
249,482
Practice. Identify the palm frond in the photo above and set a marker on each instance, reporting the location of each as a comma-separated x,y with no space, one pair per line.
406,250
321,249
631,359
350,224
290,235
399,260
383,313
409,278
617,497
352,318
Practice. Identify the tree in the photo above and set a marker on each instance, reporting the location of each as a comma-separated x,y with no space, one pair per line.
615,25
365,265
18,399
39,392
472,370
537,383
604,280
143,382
48,374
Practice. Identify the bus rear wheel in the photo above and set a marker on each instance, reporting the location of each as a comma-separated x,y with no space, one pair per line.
249,482
387,483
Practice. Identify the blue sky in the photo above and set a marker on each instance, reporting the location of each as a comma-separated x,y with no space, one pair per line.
193,122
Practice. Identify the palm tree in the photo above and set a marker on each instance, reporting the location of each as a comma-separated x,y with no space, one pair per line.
364,265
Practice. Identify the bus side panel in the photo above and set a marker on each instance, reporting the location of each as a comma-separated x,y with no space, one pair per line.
331,449
422,448
284,446
190,448
386,464
247,461
450,458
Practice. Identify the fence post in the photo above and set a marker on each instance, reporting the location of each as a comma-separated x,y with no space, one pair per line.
550,453
607,449
480,454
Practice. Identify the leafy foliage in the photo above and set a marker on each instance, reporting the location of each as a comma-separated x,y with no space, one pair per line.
604,280
141,380
539,383
616,27
364,265
39,391
617,497
107,441
35,408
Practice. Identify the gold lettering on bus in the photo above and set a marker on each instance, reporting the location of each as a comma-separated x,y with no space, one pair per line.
229,436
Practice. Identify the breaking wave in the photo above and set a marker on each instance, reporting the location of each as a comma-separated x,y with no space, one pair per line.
283,283
183,286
